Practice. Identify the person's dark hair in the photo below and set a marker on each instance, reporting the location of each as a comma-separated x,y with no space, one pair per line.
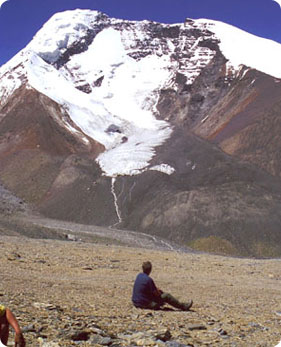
146,267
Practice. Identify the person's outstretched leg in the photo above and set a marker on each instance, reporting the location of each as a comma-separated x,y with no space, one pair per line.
154,305
169,299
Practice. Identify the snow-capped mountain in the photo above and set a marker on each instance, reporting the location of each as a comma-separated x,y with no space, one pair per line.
107,74
93,93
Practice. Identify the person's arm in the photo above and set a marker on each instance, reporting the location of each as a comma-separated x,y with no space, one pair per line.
157,292
19,339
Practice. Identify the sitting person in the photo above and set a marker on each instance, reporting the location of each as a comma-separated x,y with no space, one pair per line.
147,295
6,319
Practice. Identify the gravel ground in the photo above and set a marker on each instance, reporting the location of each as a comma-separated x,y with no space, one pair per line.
67,293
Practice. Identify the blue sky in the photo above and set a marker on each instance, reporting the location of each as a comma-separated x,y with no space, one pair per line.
21,19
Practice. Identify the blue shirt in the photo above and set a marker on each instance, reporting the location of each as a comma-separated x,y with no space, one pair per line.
143,290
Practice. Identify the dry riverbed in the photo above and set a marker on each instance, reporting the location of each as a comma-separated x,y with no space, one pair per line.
77,293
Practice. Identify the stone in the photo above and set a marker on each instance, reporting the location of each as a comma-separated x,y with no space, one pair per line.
164,336
43,343
80,336
222,332
29,328
176,344
196,327
105,341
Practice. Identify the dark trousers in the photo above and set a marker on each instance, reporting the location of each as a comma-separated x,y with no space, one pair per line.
164,298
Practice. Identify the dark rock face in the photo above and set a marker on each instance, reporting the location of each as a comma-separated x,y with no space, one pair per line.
245,121
86,88
84,198
210,194
191,103
241,115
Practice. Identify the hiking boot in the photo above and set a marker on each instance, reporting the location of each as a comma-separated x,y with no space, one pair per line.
187,306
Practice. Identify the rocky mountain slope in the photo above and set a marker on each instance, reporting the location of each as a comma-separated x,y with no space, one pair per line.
170,130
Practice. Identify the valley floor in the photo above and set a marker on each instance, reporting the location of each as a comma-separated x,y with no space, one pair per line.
65,292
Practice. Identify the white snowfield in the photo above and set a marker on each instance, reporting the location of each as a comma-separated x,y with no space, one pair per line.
242,48
121,111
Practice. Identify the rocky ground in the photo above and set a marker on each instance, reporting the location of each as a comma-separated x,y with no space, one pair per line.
68,293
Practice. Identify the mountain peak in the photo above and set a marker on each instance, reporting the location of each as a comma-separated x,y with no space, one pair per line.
65,30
